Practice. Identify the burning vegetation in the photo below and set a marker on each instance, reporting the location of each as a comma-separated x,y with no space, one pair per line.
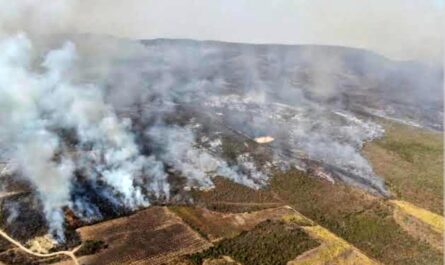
78,145
94,128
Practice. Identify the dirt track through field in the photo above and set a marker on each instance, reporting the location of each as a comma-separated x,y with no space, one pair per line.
70,254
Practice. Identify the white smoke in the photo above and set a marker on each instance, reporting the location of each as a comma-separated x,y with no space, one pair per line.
177,148
24,131
37,104
42,103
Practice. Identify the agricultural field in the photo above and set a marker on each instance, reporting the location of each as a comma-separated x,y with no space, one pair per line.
151,236
296,239
270,242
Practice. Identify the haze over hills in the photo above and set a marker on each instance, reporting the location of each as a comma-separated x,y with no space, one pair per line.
160,122
131,150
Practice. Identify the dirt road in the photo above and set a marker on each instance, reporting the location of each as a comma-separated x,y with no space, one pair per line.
23,248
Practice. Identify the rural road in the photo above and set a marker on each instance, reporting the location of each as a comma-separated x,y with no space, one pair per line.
23,248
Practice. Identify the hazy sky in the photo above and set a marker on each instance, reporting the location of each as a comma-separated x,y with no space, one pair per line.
396,28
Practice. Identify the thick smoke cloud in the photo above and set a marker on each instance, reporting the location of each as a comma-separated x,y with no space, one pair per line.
36,105
55,129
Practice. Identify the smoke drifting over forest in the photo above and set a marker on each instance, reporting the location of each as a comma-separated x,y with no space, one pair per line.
86,116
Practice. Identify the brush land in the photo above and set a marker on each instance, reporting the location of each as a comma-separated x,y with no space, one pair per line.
296,219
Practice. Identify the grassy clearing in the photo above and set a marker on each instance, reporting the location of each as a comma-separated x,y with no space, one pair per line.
333,251
427,217
420,223
411,161
419,229
268,243
362,220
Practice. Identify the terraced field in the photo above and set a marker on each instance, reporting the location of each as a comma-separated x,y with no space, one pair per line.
151,236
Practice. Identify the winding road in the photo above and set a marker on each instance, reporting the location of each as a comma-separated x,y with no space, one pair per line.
23,248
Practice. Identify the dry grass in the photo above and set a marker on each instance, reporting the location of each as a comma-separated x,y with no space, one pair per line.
434,220
362,220
420,223
334,250
411,161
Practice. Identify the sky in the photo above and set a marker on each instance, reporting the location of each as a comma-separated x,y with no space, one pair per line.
400,29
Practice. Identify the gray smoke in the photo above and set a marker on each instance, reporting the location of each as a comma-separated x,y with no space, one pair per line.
177,148
35,104
42,103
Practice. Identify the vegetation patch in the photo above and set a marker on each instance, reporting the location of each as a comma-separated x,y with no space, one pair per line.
334,250
363,220
411,162
298,219
90,247
268,243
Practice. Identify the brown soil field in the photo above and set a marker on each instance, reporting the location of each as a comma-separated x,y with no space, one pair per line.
216,225
228,196
151,236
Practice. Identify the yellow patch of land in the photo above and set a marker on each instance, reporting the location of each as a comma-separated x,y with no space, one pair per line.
224,260
333,250
434,220
420,223
297,218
